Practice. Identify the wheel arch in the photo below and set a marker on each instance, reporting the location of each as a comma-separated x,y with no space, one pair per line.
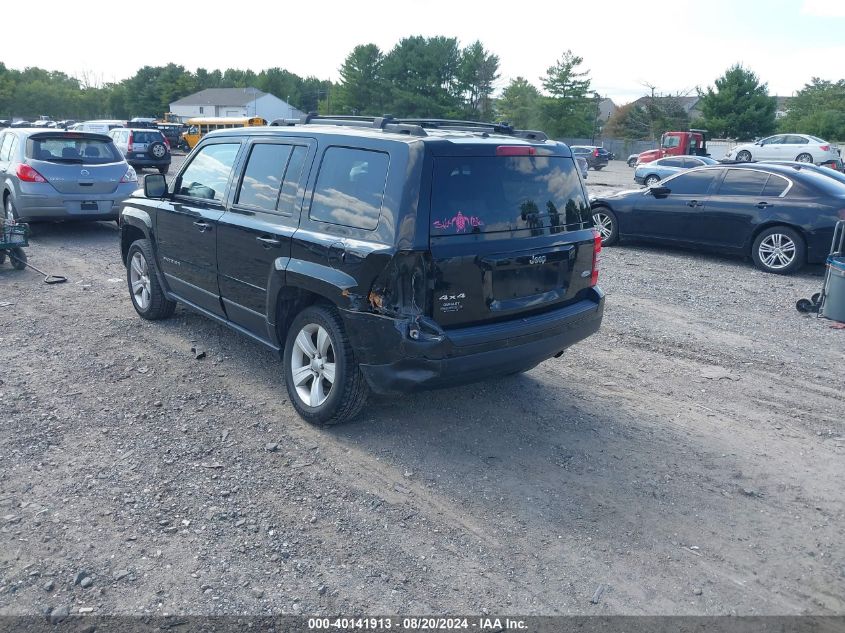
290,301
772,224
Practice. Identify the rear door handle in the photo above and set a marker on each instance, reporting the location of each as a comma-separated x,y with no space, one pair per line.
695,203
764,205
269,242
202,226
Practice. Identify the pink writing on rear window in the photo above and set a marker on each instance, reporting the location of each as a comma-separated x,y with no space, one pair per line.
461,222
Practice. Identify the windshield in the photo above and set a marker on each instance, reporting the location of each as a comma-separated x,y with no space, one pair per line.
490,194
62,149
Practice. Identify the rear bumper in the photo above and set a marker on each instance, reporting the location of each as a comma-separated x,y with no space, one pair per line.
59,206
393,362
149,162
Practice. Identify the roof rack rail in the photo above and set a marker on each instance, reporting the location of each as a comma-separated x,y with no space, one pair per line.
477,126
385,122
412,126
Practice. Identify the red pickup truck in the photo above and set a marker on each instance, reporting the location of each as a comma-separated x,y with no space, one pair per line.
692,143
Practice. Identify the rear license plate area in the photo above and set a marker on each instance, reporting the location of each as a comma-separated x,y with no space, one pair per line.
89,205
513,283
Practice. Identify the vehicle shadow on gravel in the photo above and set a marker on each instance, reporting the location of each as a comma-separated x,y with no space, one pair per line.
55,233
688,256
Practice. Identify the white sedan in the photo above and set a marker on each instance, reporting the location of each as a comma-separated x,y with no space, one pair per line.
799,147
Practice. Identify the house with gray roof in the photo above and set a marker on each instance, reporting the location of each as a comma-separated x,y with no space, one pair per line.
234,102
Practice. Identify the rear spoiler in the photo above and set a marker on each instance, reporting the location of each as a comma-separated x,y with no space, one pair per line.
90,136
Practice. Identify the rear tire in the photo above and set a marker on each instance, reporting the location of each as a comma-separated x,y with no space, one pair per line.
651,180
607,225
323,380
779,250
632,162
147,295
804,158
9,211
598,167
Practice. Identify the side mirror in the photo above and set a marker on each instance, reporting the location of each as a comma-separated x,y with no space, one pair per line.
659,192
155,186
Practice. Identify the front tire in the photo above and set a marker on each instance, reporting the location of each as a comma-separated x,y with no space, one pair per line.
147,295
322,376
779,250
744,156
607,225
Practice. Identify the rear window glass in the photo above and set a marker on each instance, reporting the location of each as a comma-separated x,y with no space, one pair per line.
822,182
490,194
350,187
146,137
73,150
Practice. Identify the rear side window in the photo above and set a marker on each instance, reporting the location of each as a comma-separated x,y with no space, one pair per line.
263,176
672,162
6,147
350,187
73,149
743,182
775,186
208,173
506,193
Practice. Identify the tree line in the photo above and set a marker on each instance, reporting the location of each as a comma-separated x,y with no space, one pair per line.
434,77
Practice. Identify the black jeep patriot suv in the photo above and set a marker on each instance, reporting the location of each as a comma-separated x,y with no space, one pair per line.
373,253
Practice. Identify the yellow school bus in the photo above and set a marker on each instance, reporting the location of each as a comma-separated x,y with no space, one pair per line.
200,126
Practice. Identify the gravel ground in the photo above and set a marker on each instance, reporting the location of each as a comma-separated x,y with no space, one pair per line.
688,458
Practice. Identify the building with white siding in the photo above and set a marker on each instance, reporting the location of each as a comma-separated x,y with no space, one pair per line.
234,102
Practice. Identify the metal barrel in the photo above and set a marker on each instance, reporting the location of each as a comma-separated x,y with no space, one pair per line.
833,302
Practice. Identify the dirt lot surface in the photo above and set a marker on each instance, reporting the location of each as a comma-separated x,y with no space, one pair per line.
689,459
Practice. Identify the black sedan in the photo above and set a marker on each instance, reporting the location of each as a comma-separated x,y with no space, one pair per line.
780,216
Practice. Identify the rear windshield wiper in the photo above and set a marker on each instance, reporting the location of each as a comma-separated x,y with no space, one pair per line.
63,160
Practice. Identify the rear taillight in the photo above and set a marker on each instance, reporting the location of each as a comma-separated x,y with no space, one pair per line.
516,150
594,280
166,143
596,152
824,148
129,146
26,173
129,176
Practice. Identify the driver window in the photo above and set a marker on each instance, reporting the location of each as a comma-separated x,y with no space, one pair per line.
208,173
696,183
773,140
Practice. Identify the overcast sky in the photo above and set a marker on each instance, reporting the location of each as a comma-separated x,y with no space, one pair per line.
674,45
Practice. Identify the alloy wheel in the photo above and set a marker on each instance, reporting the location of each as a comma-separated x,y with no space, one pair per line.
604,224
777,251
139,277
313,365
